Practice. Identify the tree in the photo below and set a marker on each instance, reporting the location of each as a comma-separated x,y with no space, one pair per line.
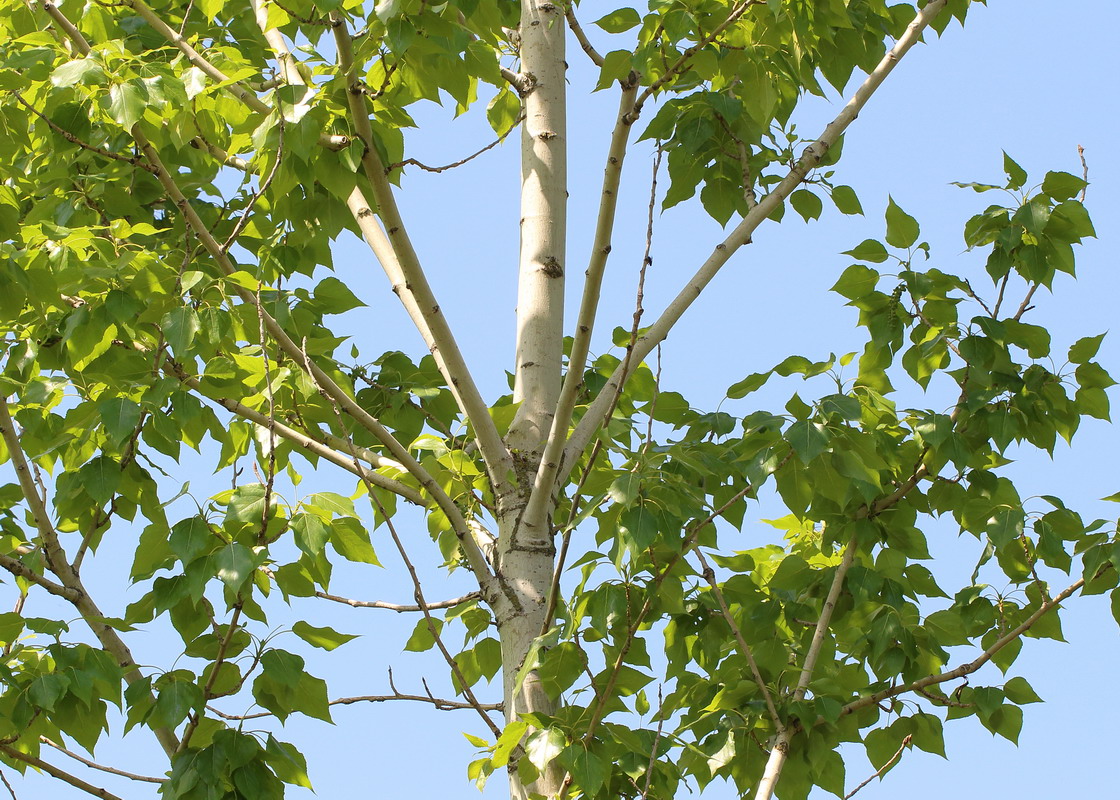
175,177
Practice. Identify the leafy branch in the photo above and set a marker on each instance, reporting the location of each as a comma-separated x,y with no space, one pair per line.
56,561
595,416
56,772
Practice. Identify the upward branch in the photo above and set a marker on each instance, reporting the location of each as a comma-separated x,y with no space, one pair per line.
393,249
58,563
276,332
545,479
596,414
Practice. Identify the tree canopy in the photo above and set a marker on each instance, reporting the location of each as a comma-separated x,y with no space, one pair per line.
175,182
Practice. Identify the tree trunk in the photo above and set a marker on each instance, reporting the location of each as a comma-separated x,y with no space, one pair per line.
526,555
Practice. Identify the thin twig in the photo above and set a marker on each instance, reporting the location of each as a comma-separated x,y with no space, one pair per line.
548,470
215,671
461,161
132,776
879,772
780,751
1084,171
312,441
457,601
243,220
8,786
439,703
1026,306
135,160
418,591
656,742
972,666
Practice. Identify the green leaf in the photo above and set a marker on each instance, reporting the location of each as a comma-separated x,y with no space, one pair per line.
235,565
422,637
191,538
326,638
11,625
1084,349
174,702
544,746
180,326
587,769
809,439
311,533
870,250
856,282
120,417
619,21
1018,691
624,490
503,110
1016,175
81,70
335,296
287,762
902,229
350,540
747,385
807,204
616,67
100,478
1062,186
126,103
845,200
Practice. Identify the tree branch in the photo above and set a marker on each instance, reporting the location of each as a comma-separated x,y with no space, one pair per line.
21,570
216,668
687,55
460,162
400,609
94,765
595,416
971,666
744,648
780,750
439,703
581,36
135,161
393,249
56,561
307,442
418,591
55,772
545,480
879,772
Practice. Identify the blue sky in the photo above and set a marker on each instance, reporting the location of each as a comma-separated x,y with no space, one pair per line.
1033,78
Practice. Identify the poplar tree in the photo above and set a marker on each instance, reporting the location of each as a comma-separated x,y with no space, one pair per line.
173,178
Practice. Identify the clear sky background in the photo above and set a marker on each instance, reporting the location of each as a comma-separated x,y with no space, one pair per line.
1032,77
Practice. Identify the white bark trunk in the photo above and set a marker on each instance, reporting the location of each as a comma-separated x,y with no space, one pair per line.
544,198
526,555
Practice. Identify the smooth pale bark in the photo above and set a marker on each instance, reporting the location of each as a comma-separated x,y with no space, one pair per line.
544,199
526,553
